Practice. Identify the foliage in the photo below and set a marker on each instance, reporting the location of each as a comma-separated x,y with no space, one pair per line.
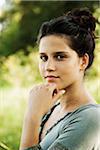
20,70
22,21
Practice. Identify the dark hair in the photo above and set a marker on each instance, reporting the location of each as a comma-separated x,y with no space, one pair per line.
79,25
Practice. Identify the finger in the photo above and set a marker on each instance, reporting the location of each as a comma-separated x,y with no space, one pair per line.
59,94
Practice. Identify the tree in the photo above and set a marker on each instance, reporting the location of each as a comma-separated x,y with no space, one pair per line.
21,22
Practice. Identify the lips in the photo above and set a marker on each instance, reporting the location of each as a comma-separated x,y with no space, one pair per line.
51,76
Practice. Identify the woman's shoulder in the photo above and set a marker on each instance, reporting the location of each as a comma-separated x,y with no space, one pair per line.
87,109
83,121
85,115
90,113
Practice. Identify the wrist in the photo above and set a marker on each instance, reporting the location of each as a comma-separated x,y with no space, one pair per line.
30,132
34,118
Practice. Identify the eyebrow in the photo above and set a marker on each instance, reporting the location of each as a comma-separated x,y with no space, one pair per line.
56,53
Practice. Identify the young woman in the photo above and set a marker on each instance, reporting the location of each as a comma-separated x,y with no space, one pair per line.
61,114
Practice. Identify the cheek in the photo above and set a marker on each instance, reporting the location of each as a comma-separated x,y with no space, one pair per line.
69,69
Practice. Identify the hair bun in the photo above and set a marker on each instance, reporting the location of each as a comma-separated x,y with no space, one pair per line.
84,18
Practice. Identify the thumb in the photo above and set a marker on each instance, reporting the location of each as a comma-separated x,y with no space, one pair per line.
59,94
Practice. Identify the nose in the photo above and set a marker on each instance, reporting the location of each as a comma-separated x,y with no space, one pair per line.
50,65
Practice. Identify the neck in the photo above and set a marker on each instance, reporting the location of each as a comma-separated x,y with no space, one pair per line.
74,97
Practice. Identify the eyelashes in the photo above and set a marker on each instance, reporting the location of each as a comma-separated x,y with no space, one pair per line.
56,57
44,58
59,57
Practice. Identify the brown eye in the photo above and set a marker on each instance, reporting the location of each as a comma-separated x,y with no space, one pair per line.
59,57
44,58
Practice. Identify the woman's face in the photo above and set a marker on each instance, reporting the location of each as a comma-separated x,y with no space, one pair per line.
58,63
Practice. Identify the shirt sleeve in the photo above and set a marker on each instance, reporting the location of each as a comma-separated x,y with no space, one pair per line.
82,133
58,146
35,147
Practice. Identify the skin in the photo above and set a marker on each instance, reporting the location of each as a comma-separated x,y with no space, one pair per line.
59,60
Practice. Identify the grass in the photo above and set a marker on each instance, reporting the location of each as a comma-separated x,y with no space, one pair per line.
12,105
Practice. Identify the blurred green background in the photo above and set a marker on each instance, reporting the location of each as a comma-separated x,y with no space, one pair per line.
19,25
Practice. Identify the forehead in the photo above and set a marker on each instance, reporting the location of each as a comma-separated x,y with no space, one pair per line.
53,43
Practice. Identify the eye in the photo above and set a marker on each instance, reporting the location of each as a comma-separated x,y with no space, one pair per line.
44,58
59,57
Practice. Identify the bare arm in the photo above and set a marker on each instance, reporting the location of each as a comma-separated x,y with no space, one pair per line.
30,132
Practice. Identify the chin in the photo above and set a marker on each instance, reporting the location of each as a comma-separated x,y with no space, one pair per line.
58,85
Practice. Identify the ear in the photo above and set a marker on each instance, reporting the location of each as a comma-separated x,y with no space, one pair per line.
84,60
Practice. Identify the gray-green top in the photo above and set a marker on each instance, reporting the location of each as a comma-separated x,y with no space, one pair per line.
79,130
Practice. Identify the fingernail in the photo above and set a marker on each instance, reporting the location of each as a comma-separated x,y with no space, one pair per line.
63,91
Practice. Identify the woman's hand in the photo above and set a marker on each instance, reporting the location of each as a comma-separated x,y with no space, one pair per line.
42,98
